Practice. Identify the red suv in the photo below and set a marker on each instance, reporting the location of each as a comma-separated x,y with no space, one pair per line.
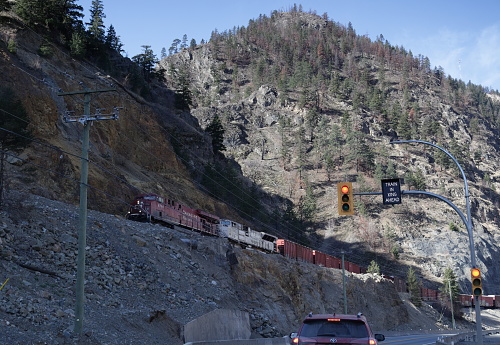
336,329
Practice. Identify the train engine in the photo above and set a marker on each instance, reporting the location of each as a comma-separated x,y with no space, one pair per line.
245,236
155,208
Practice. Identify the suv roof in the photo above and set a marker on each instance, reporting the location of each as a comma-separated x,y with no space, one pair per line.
312,316
336,328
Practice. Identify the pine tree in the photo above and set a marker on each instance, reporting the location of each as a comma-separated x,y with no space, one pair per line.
146,61
309,205
112,40
450,283
96,23
216,131
61,17
413,287
373,268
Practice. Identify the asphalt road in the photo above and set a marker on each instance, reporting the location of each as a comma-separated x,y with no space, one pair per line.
417,339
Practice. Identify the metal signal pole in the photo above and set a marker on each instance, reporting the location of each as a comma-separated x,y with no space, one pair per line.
468,224
344,284
86,120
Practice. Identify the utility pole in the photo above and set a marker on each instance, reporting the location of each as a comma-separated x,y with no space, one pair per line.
344,284
451,303
86,120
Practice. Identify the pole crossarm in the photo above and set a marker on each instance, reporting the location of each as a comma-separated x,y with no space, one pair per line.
69,117
84,92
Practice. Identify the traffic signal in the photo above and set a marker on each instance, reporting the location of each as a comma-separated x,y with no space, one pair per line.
477,284
346,201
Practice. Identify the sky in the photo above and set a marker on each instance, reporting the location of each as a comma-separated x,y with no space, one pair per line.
461,36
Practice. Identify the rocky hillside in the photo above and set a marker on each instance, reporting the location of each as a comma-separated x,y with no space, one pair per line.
144,282
296,134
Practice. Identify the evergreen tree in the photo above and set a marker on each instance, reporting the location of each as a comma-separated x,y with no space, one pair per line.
112,40
450,283
360,153
58,17
183,95
146,61
312,120
184,41
443,159
77,44
309,205
414,287
373,267
216,131
379,171
415,179
96,24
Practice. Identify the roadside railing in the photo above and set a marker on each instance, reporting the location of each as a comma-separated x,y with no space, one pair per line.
469,336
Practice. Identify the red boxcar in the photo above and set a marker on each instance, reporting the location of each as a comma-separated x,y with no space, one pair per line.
487,301
429,294
465,300
320,258
295,251
496,302
349,266
333,262
400,284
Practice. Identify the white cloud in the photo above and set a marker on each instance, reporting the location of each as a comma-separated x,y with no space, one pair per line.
485,57
470,56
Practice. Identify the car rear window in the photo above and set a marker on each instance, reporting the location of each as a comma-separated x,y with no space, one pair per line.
340,328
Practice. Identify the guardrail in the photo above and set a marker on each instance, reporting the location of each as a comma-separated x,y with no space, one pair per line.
469,336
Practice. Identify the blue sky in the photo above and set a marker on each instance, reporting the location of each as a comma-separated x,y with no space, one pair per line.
461,36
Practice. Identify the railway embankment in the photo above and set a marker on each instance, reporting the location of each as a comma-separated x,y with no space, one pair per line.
144,282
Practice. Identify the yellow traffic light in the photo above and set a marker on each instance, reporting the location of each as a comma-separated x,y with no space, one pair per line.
477,284
345,198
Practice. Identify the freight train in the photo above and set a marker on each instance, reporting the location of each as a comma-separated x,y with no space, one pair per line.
154,208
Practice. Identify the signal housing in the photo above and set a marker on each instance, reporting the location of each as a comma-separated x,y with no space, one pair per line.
477,284
345,198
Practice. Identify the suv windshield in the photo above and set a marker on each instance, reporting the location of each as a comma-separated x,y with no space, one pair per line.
334,328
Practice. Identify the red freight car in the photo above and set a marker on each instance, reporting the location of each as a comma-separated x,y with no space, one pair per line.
349,266
487,301
465,300
400,284
295,251
320,258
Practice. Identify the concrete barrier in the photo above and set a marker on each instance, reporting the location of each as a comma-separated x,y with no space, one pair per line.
220,324
266,341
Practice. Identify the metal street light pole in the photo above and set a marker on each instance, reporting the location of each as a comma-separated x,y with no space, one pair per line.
468,225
